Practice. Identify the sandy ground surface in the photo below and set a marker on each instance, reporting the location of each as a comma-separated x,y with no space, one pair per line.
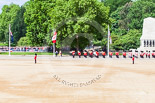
67,80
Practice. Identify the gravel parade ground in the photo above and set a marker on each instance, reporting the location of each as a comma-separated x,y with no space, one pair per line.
68,80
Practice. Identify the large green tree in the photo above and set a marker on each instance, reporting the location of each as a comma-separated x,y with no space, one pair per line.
8,15
19,26
138,12
114,4
37,20
72,17
129,17
148,0
129,41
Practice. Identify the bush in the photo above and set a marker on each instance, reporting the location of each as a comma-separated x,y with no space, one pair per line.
24,41
129,41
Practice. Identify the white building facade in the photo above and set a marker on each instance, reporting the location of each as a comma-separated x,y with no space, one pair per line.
148,36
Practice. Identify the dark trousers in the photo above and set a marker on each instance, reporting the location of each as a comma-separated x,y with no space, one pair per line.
73,56
103,56
79,56
91,56
85,56
124,56
133,61
117,56
35,61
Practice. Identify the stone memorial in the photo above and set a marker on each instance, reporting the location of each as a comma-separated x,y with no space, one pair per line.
147,40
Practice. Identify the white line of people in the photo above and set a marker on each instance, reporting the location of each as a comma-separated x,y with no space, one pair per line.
24,49
96,54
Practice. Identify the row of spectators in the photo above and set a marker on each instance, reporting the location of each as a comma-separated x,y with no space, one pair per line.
25,49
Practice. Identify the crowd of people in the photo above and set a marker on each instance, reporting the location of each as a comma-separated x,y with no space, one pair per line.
24,49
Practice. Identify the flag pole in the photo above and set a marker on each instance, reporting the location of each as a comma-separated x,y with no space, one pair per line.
54,41
53,46
108,42
53,49
9,40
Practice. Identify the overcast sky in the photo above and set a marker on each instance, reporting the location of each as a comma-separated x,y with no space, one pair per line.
8,2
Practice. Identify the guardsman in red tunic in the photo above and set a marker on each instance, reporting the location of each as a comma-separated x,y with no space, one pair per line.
79,53
35,58
97,54
73,53
133,59
130,54
110,54
153,54
136,54
85,54
103,54
91,54
148,54
142,54
124,54
117,54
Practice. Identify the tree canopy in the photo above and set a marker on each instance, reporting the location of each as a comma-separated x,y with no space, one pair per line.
79,17
37,20
8,16
114,4
128,18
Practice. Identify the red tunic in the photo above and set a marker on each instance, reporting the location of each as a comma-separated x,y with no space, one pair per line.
79,53
103,53
133,58
91,53
124,54
110,53
117,53
85,53
73,53
142,54
35,57
97,53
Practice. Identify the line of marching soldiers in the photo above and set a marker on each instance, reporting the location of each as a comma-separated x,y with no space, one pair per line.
143,54
91,54
86,54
